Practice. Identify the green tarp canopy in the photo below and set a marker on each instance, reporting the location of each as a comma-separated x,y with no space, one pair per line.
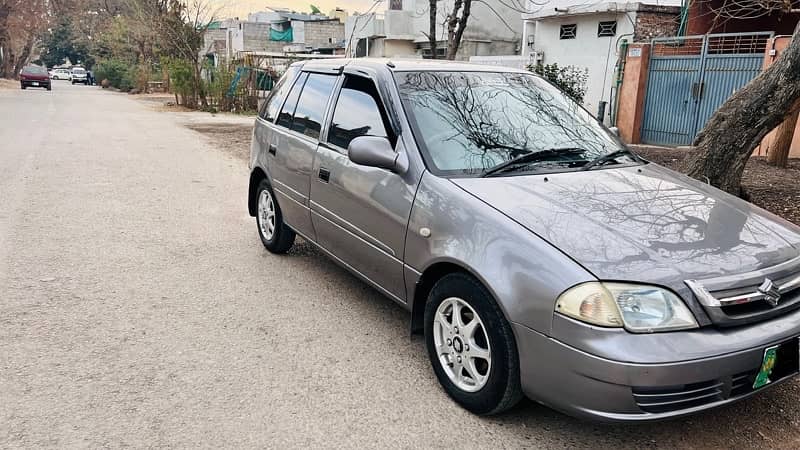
285,36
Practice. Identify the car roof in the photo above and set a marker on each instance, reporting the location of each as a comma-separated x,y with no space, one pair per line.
405,65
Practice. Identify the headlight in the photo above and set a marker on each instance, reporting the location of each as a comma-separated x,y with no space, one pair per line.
639,308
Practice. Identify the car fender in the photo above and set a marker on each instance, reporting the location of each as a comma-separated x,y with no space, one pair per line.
524,273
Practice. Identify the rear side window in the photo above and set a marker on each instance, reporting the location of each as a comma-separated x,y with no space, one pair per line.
311,108
279,91
358,112
285,117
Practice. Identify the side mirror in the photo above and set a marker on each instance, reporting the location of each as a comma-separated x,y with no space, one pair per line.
374,151
614,131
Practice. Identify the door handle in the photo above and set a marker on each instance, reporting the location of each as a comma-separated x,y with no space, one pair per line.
272,149
324,174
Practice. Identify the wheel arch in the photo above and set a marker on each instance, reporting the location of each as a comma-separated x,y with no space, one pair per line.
256,176
433,273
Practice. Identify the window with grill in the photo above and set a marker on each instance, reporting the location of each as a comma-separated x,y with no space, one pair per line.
568,31
606,29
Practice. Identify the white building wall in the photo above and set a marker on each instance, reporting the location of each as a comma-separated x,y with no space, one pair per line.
587,50
486,22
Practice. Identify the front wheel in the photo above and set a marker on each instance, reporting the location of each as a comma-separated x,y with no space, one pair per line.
276,236
471,346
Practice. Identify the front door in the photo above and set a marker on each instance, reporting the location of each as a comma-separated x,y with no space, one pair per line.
360,213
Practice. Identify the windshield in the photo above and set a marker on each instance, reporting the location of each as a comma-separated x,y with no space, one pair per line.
470,122
79,71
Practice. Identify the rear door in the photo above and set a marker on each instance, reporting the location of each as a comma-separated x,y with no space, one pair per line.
360,213
294,144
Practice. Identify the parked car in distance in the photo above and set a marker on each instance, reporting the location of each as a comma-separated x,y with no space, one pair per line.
535,251
78,75
61,74
34,76
50,73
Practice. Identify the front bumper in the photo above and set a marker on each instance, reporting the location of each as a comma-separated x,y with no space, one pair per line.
614,390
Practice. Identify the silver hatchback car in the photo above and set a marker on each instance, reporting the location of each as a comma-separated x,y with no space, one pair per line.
536,253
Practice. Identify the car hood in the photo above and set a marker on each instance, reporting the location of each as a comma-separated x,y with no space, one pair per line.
642,223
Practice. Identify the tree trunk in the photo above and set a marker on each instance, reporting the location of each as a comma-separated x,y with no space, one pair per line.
454,38
779,153
22,59
432,27
733,132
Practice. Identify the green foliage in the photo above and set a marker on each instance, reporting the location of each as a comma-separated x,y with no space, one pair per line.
570,79
64,41
315,10
116,72
181,79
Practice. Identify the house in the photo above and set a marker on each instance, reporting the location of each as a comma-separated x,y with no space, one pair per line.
670,87
277,31
400,30
588,35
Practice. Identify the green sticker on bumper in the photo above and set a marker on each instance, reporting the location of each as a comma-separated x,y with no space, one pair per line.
767,364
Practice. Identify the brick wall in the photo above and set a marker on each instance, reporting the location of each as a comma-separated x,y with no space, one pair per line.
656,21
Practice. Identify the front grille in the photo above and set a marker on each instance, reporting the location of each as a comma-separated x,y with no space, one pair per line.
665,399
673,398
750,298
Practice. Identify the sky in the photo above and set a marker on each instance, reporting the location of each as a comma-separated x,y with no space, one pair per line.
240,8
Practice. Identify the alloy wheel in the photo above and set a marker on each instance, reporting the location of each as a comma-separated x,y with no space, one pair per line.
266,215
462,345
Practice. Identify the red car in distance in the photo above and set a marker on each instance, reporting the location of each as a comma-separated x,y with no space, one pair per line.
34,76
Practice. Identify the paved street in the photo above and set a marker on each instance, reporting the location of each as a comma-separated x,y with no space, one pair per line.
138,308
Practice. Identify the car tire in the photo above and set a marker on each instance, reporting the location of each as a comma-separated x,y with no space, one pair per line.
23,87
276,236
492,357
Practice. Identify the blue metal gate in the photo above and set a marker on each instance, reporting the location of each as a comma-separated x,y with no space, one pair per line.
690,77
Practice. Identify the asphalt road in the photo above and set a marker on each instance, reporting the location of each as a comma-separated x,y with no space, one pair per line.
138,308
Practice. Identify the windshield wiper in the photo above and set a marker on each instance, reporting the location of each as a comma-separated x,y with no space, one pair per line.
528,158
599,161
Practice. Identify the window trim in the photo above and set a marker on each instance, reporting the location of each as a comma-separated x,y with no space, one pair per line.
563,35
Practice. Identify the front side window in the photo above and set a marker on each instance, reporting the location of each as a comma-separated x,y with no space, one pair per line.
275,99
470,122
311,106
287,112
357,113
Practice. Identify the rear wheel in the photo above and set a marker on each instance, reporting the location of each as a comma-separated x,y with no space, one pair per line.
276,236
471,346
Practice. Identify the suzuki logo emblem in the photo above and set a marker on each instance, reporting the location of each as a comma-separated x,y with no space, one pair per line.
771,292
